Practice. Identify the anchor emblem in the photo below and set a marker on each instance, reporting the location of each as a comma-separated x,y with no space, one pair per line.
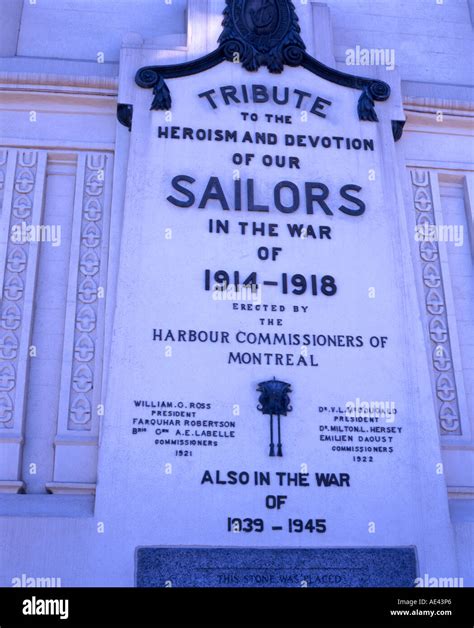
262,16
274,400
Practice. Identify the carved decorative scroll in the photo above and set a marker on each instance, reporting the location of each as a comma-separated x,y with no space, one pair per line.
262,33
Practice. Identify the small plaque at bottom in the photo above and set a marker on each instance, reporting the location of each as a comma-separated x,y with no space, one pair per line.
282,567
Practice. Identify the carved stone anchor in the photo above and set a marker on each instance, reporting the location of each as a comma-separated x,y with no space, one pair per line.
274,401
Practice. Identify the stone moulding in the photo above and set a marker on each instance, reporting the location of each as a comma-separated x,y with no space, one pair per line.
432,105
64,82
264,33
436,314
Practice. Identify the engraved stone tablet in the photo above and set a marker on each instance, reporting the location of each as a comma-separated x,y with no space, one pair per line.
263,567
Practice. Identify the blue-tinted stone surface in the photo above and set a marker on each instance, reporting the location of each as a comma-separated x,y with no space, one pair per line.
263,567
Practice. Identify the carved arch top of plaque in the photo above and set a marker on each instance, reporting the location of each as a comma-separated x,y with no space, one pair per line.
259,33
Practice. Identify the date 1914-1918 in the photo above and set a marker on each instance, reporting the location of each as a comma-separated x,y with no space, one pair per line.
296,284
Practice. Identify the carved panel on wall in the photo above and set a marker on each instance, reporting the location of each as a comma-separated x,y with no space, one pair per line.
442,370
3,173
81,404
14,281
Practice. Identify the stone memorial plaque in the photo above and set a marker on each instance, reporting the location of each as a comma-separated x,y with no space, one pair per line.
219,567
267,360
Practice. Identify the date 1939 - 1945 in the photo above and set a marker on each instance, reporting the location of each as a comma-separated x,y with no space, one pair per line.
248,524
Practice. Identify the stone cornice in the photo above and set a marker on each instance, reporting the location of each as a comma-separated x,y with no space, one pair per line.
105,85
108,85
432,105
